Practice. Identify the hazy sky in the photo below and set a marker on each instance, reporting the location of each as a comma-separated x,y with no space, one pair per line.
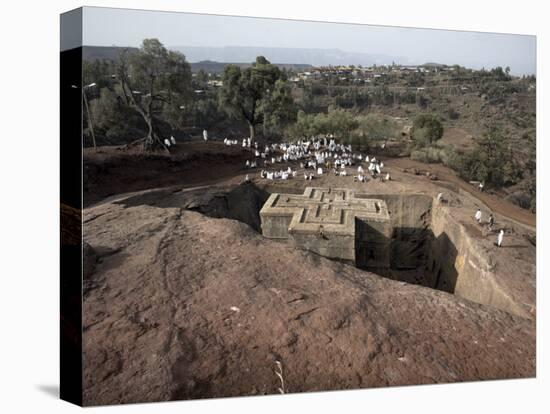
121,27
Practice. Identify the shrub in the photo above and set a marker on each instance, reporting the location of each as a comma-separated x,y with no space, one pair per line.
430,155
427,128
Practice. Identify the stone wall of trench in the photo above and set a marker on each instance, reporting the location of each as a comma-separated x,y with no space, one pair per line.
463,268
427,237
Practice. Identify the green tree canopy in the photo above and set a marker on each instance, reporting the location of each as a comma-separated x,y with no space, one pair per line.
278,108
427,128
493,161
249,94
376,127
338,122
304,127
114,119
154,80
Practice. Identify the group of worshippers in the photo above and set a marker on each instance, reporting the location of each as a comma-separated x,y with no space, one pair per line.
318,155
321,155
170,142
230,142
245,143
478,216
374,169
281,174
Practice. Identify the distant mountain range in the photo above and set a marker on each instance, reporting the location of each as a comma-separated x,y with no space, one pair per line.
217,67
213,59
112,52
314,57
103,52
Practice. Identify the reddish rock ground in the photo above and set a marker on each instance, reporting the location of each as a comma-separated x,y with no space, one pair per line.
181,306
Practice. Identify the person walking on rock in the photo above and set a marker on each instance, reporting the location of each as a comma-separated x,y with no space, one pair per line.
500,237
478,215
491,221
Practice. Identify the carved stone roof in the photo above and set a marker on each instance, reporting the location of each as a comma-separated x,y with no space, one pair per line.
330,210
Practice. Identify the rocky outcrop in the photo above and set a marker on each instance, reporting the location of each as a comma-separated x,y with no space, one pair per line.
190,306
242,202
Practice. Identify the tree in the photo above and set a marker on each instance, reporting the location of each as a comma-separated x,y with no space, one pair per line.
304,127
201,79
115,121
337,122
278,108
427,128
493,160
340,123
378,128
247,93
307,102
153,79
99,72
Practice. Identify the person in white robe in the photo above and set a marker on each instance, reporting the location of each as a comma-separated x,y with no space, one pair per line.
478,215
500,237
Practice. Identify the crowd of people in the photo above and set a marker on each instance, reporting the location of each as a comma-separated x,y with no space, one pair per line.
316,157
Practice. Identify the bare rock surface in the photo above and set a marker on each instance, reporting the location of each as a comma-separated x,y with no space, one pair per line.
183,305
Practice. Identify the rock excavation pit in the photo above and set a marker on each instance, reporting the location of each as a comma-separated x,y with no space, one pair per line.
405,237
385,234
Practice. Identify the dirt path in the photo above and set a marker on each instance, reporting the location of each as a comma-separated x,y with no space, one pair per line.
495,202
